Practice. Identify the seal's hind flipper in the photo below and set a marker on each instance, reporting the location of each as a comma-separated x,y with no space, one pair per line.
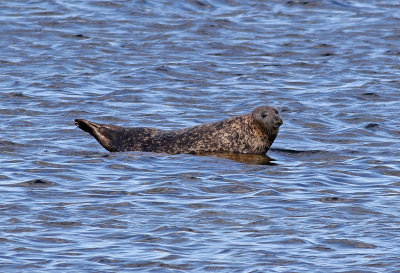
86,125
99,131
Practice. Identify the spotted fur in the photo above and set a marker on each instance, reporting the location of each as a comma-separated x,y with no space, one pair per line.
253,133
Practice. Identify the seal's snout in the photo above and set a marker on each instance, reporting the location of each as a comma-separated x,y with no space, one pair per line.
278,121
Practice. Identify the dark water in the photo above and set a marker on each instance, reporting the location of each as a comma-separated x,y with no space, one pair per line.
326,200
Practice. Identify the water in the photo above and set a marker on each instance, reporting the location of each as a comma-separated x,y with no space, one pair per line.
326,200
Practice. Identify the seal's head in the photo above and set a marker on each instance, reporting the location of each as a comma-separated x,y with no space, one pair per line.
268,118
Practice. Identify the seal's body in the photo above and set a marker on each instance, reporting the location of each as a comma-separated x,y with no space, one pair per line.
253,133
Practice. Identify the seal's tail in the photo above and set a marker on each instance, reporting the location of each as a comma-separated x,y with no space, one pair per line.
98,131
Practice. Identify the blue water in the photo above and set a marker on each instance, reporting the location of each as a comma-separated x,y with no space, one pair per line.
326,199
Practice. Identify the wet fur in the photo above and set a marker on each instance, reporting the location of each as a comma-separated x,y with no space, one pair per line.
243,134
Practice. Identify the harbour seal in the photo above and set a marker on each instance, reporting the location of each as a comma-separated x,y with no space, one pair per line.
252,133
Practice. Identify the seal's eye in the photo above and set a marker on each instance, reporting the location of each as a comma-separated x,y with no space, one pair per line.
264,115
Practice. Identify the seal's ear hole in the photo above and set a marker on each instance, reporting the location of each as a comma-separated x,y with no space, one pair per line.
264,115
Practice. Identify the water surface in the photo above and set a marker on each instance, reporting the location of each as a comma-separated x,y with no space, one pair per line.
326,199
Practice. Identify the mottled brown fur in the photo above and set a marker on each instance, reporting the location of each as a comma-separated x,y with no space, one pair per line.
253,133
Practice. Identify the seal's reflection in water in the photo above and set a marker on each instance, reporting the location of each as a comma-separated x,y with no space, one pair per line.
244,158
252,159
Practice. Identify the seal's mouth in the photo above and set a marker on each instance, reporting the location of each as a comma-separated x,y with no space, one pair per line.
278,123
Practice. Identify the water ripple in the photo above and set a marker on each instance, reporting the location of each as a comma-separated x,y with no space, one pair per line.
325,197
